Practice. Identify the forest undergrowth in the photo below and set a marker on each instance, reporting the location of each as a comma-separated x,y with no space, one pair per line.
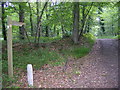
52,53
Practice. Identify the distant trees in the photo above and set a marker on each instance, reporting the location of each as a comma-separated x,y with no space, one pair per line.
60,19
39,17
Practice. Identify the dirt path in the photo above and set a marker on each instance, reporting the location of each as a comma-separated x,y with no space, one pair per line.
99,69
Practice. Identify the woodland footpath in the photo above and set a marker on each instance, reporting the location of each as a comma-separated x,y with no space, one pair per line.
69,44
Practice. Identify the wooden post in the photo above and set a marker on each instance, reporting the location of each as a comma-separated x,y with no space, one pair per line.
9,46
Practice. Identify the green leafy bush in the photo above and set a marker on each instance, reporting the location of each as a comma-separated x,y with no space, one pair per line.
117,37
90,38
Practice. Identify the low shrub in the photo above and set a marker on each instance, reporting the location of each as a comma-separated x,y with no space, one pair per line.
89,38
117,37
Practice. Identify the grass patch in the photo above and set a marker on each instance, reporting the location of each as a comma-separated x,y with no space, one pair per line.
105,37
76,52
49,39
37,58
109,37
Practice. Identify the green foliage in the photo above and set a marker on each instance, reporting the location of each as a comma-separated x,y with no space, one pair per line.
59,14
90,38
116,37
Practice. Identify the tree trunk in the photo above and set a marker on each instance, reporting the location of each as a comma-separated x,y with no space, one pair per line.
75,22
63,31
37,9
3,23
47,27
47,32
57,32
88,24
84,20
112,26
37,37
21,19
54,28
88,28
31,21
119,18
101,20
39,20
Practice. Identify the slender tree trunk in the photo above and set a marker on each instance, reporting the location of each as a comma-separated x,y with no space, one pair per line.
37,38
31,21
101,20
21,19
37,27
88,24
39,20
75,22
63,31
3,23
88,28
47,27
54,28
84,19
112,27
47,32
57,32
119,18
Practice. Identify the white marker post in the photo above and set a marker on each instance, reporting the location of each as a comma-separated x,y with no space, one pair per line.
30,74
9,44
